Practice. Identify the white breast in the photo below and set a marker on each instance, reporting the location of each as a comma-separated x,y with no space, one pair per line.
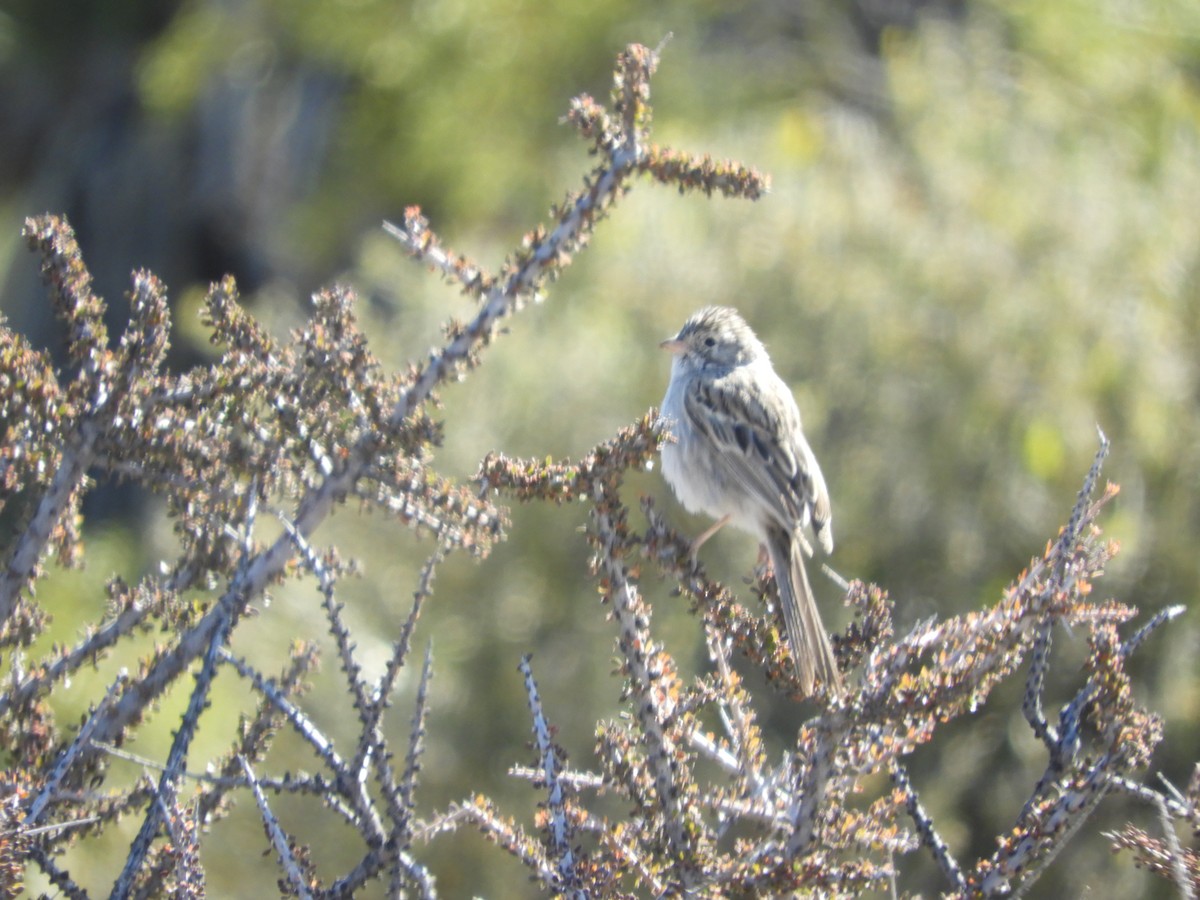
700,483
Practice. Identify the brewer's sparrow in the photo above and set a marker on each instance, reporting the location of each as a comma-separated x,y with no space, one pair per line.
740,456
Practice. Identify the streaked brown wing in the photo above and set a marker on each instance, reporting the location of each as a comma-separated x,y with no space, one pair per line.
757,445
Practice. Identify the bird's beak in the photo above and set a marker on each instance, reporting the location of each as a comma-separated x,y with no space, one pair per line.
673,345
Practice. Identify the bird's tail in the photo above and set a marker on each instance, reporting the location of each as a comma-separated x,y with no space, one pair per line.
812,653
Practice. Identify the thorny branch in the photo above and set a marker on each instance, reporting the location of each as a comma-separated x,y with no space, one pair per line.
809,836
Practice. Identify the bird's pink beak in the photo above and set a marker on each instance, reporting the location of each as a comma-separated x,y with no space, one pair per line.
674,345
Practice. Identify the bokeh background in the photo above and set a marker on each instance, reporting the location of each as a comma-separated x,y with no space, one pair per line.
982,243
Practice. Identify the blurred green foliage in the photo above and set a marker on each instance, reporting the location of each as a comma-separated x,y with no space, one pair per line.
982,242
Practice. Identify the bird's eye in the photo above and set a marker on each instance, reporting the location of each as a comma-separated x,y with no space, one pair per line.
710,341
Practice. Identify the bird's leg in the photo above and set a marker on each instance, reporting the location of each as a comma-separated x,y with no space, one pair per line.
716,526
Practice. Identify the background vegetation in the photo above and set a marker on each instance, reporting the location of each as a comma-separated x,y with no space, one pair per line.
981,242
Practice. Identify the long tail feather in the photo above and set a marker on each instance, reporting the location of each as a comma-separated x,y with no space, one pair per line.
807,639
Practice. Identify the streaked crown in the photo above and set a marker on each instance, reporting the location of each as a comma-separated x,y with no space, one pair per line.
718,335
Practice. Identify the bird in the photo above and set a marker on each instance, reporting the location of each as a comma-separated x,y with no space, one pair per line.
738,454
